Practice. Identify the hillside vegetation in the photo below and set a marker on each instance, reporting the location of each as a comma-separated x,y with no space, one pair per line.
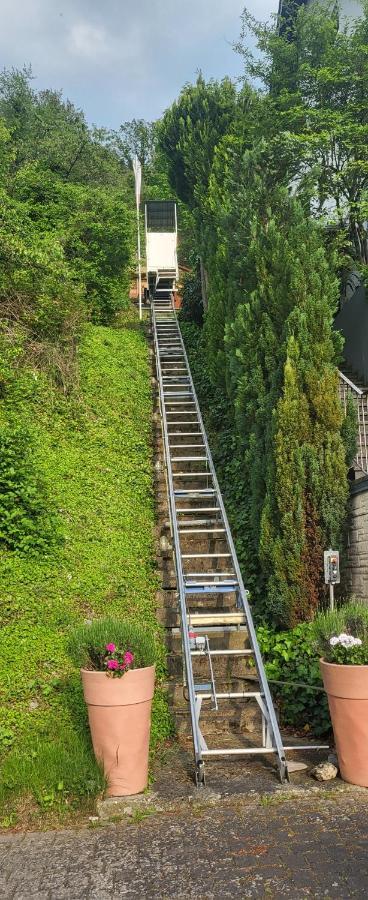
76,500
275,177
93,456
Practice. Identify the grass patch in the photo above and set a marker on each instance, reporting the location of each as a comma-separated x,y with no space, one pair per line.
94,453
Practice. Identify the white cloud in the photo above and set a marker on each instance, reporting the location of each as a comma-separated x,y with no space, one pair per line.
88,41
123,58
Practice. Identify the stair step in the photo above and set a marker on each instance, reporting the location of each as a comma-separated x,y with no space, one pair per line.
215,572
230,669
217,619
226,653
236,717
201,530
230,638
201,492
188,458
184,510
198,446
192,475
218,587
205,555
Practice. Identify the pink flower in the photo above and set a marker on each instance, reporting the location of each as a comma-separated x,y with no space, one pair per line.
112,664
128,658
111,648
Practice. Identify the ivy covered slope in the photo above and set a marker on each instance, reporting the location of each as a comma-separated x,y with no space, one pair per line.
92,480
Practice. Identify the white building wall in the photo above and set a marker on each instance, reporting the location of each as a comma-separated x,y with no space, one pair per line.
349,9
161,250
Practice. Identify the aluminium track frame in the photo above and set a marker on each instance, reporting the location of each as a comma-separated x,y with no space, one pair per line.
164,320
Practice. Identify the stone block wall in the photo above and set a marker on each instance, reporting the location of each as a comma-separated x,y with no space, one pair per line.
356,556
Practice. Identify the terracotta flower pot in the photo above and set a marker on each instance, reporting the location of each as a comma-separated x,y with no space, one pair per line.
347,691
119,712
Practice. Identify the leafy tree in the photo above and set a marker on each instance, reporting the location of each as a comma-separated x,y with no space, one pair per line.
66,243
188,136
47,129
316,112
190,131
136,138
67,214
268,337
278,360
95,227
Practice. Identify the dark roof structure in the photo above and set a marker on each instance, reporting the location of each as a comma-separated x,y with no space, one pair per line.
287,9
160,215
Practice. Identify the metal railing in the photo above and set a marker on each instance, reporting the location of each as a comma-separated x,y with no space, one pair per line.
349,390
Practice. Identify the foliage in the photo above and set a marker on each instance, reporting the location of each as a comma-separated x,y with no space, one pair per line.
190,131
48,130
275,353
316,113
292,667
66,220
341,635
98,643
136,138
37,288
75,462
93,451
94,230
192,304
26,523
59,776
228,458
271,285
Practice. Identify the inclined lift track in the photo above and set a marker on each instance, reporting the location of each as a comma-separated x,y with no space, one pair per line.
178,399
203,517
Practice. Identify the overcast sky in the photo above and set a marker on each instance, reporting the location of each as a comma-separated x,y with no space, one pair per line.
120,59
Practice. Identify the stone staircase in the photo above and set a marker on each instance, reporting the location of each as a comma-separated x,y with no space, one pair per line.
232,673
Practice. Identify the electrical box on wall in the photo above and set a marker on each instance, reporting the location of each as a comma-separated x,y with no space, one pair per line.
332,567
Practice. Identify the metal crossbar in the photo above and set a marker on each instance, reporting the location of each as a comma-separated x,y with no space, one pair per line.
350,391
188,537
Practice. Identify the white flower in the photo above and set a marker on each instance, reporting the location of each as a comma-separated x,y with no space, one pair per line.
345,640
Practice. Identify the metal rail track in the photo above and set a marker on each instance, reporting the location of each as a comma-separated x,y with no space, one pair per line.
198,515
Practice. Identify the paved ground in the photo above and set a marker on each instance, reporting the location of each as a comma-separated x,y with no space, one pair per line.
275,847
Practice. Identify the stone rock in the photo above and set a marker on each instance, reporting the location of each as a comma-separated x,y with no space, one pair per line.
325,771
294,766
164,543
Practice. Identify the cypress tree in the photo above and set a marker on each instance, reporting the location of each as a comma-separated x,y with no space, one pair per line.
279,353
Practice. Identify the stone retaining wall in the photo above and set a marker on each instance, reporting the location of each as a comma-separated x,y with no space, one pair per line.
356,560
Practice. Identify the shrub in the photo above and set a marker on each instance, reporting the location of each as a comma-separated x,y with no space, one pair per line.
292,666
192,305
26,522
341,635
88,643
